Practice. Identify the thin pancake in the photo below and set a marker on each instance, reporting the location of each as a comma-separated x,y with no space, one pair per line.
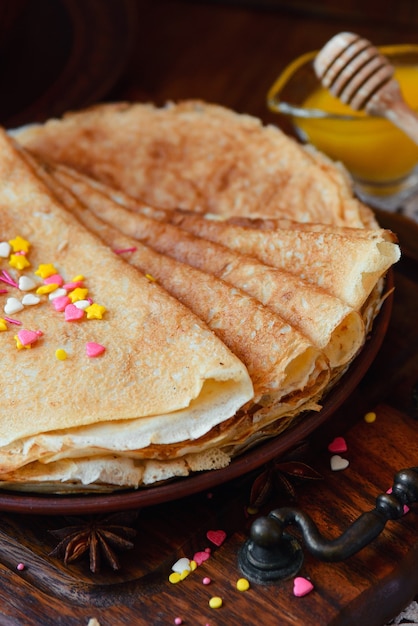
330,324
175,377
199,157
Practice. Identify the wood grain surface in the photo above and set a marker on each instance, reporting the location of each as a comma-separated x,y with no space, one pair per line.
230,53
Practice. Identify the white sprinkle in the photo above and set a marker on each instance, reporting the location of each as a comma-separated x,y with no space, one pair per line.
13,305
30,299
82,304
5,249
26,283
57,293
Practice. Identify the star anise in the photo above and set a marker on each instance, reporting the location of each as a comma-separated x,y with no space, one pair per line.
100,536
281,476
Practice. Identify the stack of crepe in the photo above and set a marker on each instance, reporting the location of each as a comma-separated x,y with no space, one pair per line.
238,274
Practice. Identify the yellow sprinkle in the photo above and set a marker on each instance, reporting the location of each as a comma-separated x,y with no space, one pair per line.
95,311
19,344
150,277
3,324
18,261
252,510
61,354
193,566
43,289
19,244
174,577
78,279
243,584
46,269
215,602
370,417
184,574
79,293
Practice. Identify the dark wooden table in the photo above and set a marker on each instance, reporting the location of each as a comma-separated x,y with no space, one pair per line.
228,53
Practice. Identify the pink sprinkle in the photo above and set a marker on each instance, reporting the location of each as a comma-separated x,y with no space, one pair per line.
61,302
27,337
201,557
20,253
6,278
73,313
216,537
122,250
178,621
206,580
12,321
208,550
3,290
55,279
74,285
94,349
20,567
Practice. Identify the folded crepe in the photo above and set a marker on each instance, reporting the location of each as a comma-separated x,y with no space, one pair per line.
330,324
126,373
200,157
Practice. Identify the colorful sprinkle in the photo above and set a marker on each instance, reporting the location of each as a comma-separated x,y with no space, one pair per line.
61,303
19,244
46,269
338,445
26,283
75,284
20,567
30,299
3,324
82,304
60,354
13,321
201,557
55,279
19,261
95,311
58,293
6,278
301,586
72,314
178,621
79,293
338,463
28,337
217,537
243,584
181,565
46,289
206,580
13,305
151,278
215,602
174,578
5,249
94,349
370,417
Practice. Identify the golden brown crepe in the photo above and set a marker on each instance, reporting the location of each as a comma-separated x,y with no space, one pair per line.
201,157
331,325
164,377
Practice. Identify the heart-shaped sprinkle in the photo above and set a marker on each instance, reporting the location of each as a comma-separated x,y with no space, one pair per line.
26,283
27,337
5,249
13,305
201,557
82,304
338,463
56,279
30,299
301,586
72,314
338,445
61,303
58,293
217,537
94,349
181,565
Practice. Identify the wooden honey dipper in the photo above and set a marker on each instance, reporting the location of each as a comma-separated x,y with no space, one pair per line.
355,72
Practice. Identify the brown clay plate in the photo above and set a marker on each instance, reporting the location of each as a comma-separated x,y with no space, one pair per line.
251,460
